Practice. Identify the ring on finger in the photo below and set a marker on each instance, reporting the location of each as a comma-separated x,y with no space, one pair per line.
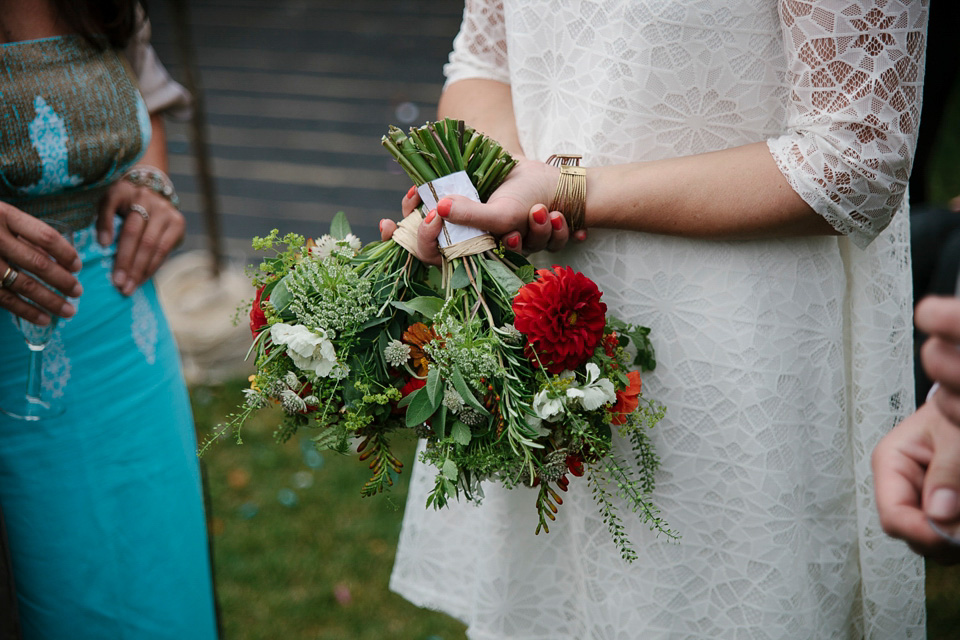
139,208
9,277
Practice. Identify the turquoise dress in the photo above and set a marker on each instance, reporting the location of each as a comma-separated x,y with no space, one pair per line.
103,505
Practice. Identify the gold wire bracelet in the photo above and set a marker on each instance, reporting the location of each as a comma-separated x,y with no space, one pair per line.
571,196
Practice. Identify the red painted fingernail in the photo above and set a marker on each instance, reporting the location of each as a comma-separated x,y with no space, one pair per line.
430,216
556,222
444,206
513,241
540,216
412,191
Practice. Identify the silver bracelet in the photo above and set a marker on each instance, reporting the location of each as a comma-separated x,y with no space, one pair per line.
143,175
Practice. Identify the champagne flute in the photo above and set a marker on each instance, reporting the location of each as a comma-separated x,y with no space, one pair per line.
32,406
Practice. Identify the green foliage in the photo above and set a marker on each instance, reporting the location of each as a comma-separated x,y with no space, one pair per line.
640,338
340,226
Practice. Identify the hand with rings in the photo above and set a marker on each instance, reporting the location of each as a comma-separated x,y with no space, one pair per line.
33,254
147,237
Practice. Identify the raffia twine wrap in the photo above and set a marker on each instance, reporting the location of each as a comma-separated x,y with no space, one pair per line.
406,237
456,241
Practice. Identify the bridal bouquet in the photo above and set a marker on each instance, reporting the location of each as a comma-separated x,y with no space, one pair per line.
509,374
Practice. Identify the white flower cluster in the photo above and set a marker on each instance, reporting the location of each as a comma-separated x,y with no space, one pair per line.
287,390
471,417
329,295
510,334
452,400
396,353
291,402
549,404
328,246
474,357
310,350
255,399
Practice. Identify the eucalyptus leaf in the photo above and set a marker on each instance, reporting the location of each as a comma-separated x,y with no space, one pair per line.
405,400
460,433
280,296
439,423
464,390
434,386
428,306
459,279
506,278
339,226
419,409
449,470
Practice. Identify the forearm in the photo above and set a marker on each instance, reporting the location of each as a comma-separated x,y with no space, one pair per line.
486,105
156,153
737,192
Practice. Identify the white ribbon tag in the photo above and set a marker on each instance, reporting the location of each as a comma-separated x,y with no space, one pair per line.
455,184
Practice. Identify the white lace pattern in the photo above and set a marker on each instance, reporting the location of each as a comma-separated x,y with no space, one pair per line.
782,362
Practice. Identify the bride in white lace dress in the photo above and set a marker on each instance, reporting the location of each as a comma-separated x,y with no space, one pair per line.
747,166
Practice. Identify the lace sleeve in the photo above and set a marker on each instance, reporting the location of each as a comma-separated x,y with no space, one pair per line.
480,49
856,72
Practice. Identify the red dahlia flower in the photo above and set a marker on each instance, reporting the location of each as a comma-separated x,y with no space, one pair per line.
258,320
562,317
627,400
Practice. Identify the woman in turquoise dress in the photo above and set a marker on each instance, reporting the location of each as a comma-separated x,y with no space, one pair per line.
103,505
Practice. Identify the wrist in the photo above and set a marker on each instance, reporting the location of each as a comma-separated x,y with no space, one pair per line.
152,178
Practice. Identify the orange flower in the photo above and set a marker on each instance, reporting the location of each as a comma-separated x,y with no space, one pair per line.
627,400
417,335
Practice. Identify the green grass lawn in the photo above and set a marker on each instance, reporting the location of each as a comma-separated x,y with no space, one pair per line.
300,556
298,553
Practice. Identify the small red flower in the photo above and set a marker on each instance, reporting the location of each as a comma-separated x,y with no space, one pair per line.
412,385
562,317
258,320
627,400
610,344
575,465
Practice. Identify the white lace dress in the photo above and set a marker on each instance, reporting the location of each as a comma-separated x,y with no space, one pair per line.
781,362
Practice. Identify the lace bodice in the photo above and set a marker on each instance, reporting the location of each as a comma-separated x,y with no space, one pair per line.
781,362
